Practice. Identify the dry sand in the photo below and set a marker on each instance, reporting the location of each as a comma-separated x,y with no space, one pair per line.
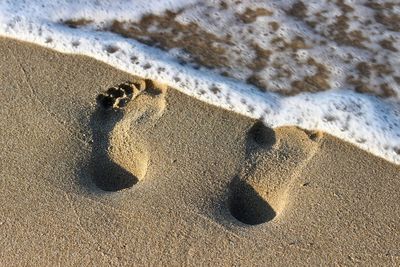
202,186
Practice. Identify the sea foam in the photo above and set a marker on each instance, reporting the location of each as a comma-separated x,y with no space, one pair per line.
372,123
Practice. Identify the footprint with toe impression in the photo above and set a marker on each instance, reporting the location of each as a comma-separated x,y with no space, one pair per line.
109,174
117,97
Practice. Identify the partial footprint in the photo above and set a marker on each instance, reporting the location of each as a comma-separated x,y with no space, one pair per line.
120,158
274,160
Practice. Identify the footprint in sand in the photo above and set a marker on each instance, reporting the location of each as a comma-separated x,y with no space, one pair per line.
119,156
274,159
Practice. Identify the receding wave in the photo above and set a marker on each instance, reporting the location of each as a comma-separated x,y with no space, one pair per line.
326,65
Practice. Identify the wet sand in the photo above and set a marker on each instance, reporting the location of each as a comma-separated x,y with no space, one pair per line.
169,180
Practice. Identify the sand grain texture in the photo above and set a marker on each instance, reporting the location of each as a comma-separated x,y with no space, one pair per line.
308,199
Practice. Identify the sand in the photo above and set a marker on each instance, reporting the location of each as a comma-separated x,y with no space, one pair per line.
185,183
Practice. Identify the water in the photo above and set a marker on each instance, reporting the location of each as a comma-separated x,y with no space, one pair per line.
329,67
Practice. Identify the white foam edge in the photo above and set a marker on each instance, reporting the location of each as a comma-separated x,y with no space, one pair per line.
367,122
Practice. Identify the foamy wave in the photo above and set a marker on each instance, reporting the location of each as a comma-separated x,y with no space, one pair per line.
370,123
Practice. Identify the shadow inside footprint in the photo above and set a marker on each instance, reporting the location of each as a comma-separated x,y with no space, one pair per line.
108,175
247,206
261,136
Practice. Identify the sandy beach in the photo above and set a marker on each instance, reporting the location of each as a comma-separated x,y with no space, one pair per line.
163,179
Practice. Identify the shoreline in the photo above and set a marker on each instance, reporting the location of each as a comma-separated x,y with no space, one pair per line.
353,117
213,187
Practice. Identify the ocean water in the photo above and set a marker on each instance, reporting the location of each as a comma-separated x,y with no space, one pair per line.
332,66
